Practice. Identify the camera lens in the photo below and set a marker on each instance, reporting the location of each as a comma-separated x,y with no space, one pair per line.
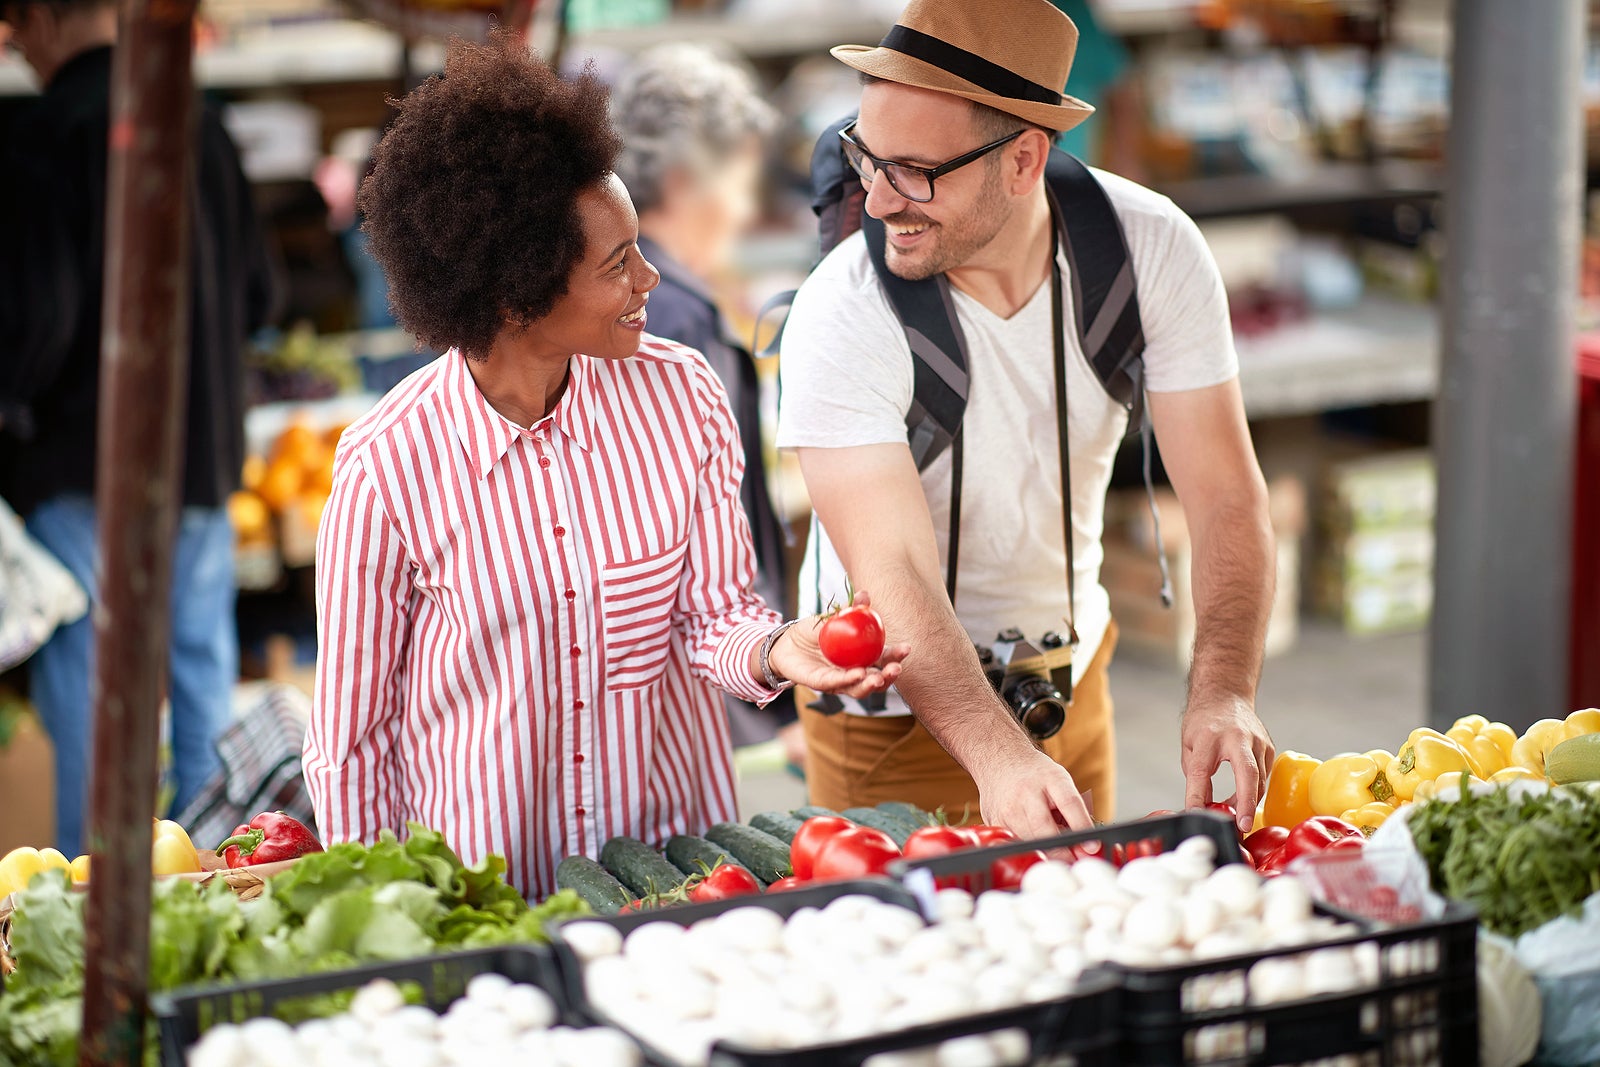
1038,705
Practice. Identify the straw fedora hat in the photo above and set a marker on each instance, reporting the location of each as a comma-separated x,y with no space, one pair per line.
1013,55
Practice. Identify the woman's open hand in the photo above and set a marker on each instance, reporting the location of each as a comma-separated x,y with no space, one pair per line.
798,657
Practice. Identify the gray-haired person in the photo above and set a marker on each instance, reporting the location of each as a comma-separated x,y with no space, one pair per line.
693,129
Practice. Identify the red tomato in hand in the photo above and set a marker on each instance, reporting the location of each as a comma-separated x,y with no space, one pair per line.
859,852
783,885
852,637
1007,872
725,882
808,841
938,841
993,835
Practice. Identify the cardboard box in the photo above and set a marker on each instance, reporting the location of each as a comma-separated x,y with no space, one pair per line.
27,787
1394,604
1384,491
1374,565
1133,580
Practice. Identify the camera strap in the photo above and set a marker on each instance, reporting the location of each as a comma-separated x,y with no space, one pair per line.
1059,340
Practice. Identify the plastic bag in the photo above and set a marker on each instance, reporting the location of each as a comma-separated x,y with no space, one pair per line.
1561,954
37,594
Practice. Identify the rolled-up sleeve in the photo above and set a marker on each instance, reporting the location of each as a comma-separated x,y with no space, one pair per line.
722,618
363,629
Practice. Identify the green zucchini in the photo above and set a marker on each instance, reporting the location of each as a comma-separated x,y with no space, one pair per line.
778,824
811,811
684,850
763,854
901,809
896,827
593,883
639,867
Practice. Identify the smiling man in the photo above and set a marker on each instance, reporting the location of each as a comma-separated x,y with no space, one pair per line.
958,113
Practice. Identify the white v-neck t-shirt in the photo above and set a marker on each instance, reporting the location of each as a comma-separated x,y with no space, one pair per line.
848,381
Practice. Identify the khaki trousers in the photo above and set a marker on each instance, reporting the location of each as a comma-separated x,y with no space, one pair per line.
857,760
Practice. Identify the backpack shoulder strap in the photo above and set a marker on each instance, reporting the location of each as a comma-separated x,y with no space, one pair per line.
1105,297
938,351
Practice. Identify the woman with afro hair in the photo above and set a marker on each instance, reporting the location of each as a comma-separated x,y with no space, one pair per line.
534,566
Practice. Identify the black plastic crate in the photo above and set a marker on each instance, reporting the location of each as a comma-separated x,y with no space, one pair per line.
1077,1030
184,1015
1423,1011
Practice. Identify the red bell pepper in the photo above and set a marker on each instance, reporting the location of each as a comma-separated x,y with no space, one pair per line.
1317,834
1264,842
270,837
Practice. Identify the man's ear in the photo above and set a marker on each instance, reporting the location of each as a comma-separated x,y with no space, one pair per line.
1029,155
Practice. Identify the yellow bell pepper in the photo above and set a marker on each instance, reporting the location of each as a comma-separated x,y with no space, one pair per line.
1288,800
1368,817
1425,756
80,870
1582,722
54,861
1430,789
18,868
1489,743
172,852
1536,742
1348,781
1513,773
1380,756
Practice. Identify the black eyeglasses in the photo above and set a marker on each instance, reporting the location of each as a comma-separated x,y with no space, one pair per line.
909,180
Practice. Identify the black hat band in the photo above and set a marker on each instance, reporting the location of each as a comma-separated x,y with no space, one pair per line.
968,65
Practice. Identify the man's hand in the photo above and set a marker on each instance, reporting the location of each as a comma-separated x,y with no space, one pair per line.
1226,731
1030,795
798,657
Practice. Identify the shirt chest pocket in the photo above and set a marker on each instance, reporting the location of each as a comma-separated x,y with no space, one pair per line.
636,603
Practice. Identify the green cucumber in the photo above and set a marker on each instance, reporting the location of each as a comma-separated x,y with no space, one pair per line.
1577,759
684,850
763,854
900,809
639,867
811,811
593,883
896,827
778,824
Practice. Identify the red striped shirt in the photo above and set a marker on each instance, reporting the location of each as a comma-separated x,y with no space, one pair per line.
520,628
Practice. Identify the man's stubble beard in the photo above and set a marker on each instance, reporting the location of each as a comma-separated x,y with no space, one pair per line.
955,242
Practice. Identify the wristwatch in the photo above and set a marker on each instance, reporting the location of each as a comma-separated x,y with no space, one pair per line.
774,682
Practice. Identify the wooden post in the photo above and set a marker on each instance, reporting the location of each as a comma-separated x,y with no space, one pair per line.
143,385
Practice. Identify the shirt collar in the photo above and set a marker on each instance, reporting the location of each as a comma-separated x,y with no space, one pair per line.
487,435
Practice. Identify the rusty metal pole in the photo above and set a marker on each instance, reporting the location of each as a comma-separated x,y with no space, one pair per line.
143,383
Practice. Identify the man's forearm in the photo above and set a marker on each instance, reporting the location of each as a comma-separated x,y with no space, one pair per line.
943,683
1234,575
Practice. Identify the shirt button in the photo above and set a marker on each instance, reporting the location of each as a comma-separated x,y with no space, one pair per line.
578,758
581,811
576,651
571,594
544,461
561,531
578,705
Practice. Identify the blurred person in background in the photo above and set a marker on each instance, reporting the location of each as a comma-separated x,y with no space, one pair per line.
57,159
693,141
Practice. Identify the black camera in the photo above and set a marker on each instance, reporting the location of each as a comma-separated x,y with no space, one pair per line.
1030,679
